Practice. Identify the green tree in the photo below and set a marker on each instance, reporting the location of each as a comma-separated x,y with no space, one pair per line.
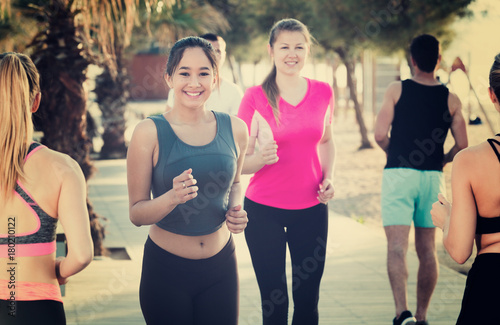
185,18
348,27
390,26
334,31
242,20
250,23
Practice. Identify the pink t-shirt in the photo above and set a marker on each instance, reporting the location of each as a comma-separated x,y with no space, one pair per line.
292,182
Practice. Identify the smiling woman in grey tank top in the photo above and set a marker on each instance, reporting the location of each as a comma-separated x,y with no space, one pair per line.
183,170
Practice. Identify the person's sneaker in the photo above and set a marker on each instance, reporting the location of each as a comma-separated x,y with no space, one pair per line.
406,318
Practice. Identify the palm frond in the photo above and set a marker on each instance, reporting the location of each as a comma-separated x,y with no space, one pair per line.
180,18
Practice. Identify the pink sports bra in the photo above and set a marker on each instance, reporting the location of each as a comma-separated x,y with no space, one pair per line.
42,240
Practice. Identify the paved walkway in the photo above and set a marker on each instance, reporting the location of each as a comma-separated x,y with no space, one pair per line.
355,288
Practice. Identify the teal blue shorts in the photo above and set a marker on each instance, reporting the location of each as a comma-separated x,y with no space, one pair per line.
408,195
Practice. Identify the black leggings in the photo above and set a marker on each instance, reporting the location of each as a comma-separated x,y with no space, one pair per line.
481,299
40,312
176,290
267,232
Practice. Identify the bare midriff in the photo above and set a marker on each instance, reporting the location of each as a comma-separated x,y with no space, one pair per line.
34,278
191,247
488,243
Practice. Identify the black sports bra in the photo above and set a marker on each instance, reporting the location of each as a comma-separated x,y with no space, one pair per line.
489,225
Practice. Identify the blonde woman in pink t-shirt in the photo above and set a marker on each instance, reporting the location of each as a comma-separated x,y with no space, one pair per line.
289,120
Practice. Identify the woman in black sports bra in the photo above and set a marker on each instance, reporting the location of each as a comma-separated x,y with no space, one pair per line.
475,214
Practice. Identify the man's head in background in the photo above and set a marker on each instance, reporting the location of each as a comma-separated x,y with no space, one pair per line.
219,45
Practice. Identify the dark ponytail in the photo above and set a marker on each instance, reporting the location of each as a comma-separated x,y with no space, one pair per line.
495,76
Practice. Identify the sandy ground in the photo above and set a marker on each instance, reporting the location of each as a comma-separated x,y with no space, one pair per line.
358,176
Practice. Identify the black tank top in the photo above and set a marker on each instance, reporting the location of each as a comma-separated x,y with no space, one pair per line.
489,225
421,122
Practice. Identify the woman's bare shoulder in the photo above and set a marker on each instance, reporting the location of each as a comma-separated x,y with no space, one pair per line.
240,130
238,123
61,164
473,155
146,127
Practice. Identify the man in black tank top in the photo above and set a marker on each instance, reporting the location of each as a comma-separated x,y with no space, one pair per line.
418,113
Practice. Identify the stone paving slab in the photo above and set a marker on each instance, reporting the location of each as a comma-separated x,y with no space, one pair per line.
355,288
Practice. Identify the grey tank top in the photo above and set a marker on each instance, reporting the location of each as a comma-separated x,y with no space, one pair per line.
214,167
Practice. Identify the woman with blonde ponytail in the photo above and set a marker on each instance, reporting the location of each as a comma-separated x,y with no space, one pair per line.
15,137
38,187
289,119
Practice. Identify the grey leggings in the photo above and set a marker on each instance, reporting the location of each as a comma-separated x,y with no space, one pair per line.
176,290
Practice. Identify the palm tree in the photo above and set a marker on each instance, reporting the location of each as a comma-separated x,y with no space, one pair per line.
19,23
111,95
115,28
62,54
59,47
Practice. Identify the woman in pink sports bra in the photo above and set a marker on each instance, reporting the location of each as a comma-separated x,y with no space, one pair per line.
38,187
475,215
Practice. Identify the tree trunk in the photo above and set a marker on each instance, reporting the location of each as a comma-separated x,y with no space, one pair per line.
112,95
62,56
240,76
254,72
233,65
230,61
349,64
334,65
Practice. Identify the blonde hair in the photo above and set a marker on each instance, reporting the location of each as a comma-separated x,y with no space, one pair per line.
19,84
269,85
